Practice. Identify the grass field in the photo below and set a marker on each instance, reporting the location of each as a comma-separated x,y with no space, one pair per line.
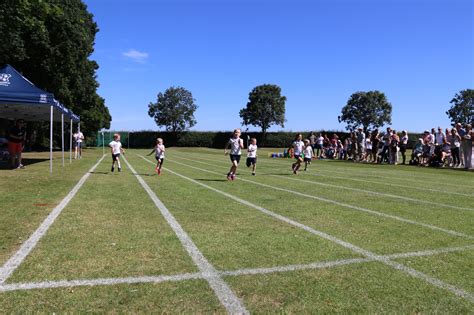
341,237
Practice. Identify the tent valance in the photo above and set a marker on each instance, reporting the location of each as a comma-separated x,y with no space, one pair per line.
19,98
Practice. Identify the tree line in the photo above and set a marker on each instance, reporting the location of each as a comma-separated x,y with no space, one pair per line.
174,109
50,43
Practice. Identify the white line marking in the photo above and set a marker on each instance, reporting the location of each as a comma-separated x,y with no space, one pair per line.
345,205
267,161
370,192
371,182
368,254
239,272
10,266
97,282
223,292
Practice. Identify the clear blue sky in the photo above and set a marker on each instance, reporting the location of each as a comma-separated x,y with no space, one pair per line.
418,52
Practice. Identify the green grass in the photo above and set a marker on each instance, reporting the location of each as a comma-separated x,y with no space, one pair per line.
112,229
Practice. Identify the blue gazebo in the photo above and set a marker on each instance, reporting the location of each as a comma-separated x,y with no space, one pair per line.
21,99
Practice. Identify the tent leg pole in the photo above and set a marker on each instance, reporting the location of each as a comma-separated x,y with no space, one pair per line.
51,142
62,136
70,143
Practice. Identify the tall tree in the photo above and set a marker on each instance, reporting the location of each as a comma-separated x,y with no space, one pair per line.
266,107
50,42
367,110
174,110
462,110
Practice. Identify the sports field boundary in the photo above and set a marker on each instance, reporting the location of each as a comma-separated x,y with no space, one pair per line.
223,292
25,249
345,205
238,272
368,254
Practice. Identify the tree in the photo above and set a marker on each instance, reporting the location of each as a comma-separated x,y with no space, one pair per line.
174,110
50,42
367,110
462,110
266,106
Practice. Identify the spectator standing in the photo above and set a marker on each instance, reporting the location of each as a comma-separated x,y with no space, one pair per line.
319,145
394,141
403,145
16,140
375,139
467,146
384,156
360,144
461,132
439,136
455,147
78,139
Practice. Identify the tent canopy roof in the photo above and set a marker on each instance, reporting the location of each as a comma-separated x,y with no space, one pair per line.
21,99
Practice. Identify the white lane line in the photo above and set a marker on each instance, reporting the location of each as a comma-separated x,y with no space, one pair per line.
223,292
97,282
341,262
238,272
10,266
369,192
368,254
431,252
364,181
345,205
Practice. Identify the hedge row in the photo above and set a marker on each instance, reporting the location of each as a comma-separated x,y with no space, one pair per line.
212,139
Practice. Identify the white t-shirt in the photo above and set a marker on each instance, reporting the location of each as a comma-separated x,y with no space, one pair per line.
404,140
298,147
368,144
78,136
252,151
308,152
160,151
235,144
320,140
115,145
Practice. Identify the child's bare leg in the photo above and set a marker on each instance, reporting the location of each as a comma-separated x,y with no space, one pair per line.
254,166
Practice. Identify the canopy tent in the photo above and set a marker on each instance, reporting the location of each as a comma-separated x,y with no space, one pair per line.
21,99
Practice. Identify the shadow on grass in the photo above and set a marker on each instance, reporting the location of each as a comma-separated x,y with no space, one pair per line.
5,165
99,173
211,180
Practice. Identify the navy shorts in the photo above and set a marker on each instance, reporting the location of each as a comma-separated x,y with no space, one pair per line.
297,156
235,157
115,157
160,160
307,159
251,161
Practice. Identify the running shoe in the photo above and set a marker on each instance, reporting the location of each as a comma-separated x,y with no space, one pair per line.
232,177
159,171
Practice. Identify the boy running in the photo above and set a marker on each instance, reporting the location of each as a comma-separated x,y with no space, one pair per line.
252,155
235,144
308,153
298,146
160,155
116,148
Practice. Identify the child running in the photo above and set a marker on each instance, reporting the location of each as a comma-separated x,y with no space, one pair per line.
252,155
308,153
116,148
235,144
298,146
159,149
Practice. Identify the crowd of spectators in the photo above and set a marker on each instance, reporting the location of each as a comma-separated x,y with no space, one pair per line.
451,147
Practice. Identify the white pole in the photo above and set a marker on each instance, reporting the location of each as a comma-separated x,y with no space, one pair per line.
103,150
62,135
51,142
70,143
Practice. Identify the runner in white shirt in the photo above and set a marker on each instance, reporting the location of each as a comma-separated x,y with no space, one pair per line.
78,138
252,155
298,146
308,153
235,144
159,151
116,148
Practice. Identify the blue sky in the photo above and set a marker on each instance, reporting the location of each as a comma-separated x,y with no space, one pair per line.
418,52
